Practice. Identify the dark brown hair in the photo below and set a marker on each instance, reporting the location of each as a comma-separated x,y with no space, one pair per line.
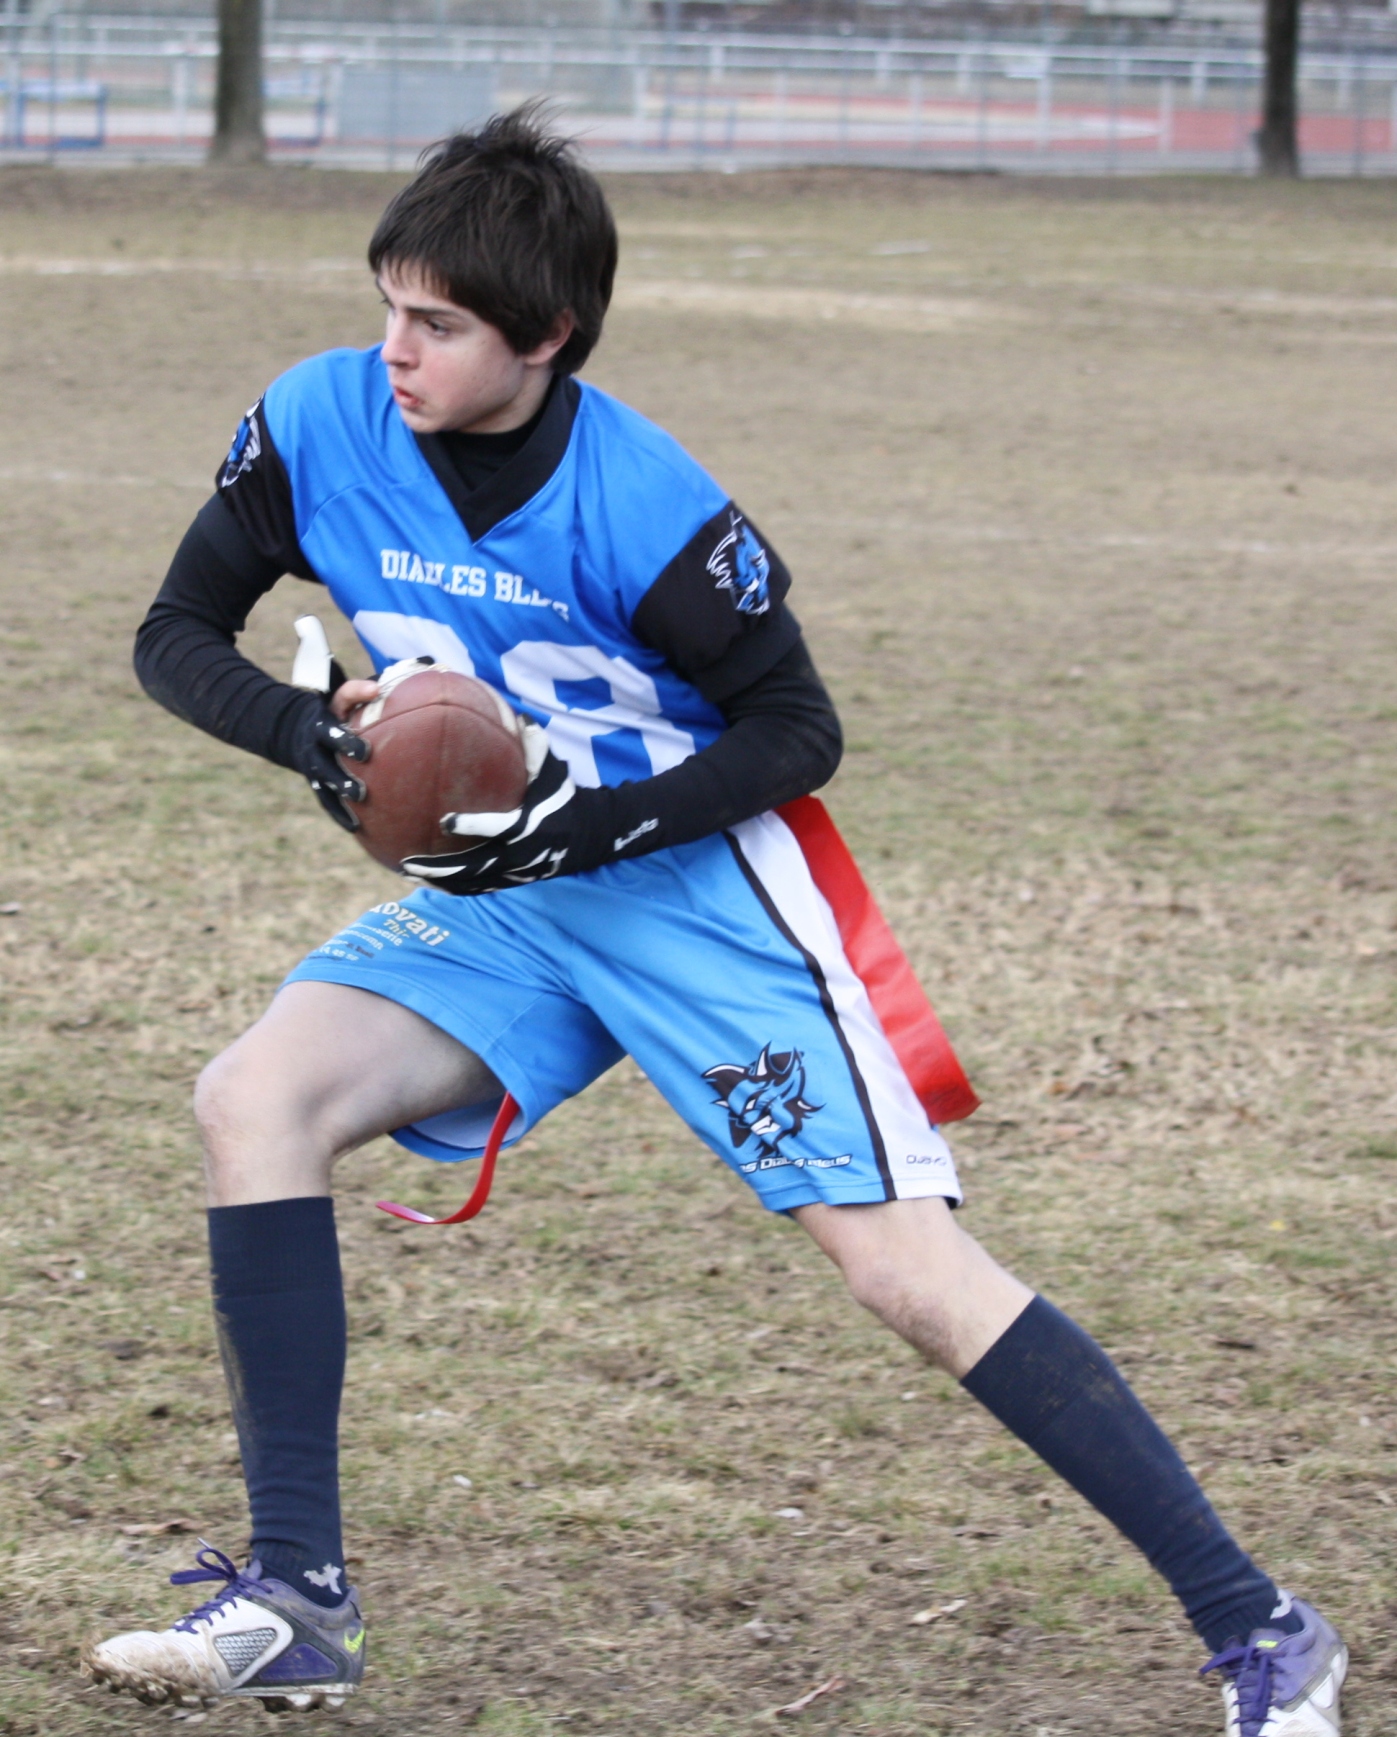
506,221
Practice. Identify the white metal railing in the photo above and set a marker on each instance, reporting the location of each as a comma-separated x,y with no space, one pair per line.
143,85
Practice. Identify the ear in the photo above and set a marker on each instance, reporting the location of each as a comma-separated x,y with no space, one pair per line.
562,329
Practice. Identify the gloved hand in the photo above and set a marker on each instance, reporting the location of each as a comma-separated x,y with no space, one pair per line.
547,835
321,735
318,740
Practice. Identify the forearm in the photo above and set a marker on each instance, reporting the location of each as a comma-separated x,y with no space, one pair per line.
185,655
783,740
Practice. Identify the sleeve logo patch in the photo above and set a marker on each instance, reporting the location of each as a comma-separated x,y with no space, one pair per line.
245,450
739,565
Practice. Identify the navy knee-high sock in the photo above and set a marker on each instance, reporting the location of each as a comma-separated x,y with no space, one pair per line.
1058,1391
279,1305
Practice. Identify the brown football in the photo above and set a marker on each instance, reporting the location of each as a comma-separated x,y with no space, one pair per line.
442,743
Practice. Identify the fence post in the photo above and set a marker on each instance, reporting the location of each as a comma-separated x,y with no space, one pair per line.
1359,91
53,85
845,74
1392,122
1239,119
780,98
16,77
1045,103
982,118
701,114
182,71
394,72
915,129
667,112
1166,115
1113,113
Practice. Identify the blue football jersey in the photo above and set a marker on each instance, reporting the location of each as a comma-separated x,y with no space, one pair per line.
601,580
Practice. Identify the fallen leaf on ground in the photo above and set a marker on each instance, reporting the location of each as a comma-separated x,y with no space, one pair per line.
831,1686
154,1528
936,1611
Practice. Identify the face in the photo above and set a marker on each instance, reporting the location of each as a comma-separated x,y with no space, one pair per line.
450,369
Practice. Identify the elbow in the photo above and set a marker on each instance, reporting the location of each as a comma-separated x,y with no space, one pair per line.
829,751
146,654
141,653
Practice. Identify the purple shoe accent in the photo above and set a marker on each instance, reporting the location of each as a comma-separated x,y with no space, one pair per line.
214,1565
300,1664
1273,1668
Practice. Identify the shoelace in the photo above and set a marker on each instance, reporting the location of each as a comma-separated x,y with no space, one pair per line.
1250,1668
214,1565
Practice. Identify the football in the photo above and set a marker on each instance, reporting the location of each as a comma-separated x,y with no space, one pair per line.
442,743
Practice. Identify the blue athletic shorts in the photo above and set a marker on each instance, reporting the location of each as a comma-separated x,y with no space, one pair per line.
717,965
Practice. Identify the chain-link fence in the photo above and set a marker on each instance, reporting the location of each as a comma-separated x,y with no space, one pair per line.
374,94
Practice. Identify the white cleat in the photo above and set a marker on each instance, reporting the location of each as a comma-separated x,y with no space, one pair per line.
256,1639
1284,1685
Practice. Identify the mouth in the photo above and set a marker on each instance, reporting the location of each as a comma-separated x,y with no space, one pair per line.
406,400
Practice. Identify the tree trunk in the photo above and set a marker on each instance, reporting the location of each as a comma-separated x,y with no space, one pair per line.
1280,154
237,133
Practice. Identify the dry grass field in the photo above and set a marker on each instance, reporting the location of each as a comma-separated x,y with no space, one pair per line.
1089,495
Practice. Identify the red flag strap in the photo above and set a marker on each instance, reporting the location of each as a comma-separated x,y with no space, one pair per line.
907,1017
504,1117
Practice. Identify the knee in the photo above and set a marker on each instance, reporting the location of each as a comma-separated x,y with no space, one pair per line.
240,1098
900,1295
909,1264
219,1099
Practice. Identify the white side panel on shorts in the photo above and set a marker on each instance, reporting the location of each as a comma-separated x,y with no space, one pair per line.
919,1160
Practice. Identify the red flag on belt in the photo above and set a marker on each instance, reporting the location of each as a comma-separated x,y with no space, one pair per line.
907,1018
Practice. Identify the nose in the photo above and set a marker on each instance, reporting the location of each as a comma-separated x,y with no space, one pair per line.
397,348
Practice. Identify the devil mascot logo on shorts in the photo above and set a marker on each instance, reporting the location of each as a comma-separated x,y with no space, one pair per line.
765,1100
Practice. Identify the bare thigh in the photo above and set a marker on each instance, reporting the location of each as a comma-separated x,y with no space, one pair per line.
325,1069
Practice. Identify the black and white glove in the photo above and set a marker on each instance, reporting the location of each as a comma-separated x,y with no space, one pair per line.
319,740
320,737
550,833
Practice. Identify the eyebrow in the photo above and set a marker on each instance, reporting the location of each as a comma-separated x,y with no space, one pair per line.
435,312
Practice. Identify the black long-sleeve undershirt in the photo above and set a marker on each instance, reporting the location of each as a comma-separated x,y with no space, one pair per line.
783,737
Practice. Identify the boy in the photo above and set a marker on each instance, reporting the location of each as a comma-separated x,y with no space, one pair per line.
464,499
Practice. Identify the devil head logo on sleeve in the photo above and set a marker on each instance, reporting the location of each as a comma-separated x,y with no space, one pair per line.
765,1100
740,565
245,450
